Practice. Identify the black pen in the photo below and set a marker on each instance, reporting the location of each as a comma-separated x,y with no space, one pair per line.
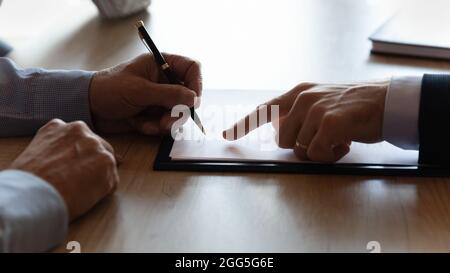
164,66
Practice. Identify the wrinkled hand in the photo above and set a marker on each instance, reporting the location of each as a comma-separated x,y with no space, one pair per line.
133,96
320,121
77,163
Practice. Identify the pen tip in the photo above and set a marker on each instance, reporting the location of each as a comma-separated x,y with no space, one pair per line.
139,24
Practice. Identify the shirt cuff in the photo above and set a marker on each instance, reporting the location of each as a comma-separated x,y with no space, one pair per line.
401,112
33,216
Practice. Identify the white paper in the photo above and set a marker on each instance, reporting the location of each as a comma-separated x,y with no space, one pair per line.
220,109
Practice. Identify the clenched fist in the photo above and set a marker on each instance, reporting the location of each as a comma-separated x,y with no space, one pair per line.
79,164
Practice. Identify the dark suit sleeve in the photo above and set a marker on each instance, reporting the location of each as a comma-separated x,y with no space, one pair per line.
434,119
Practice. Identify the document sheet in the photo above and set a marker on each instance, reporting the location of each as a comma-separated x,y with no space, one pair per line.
220,109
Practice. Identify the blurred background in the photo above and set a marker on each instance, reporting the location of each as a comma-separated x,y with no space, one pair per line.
251,44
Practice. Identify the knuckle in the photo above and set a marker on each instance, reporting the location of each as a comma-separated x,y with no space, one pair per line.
77,128
90,145
304,85
331,120
54,123
318,110
353,90
106,159
306,97
79,124
91,142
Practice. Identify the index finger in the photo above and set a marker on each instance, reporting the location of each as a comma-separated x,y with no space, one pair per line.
188,70
263,114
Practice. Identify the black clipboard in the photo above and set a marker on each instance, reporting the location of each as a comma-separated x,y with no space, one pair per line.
163,162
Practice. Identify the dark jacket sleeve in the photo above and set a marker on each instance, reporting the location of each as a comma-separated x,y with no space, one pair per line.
434,118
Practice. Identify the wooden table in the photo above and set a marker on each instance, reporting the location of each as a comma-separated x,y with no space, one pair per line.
242,45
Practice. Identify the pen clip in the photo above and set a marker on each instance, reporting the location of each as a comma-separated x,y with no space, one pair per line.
145,43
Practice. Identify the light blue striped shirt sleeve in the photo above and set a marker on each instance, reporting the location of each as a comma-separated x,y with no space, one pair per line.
33,216
29,98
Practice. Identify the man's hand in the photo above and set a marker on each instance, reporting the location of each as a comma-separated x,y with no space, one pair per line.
134,96
77,163
320,121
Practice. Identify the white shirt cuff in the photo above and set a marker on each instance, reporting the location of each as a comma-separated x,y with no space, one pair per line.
401,112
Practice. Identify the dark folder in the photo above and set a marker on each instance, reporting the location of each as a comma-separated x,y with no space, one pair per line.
164,162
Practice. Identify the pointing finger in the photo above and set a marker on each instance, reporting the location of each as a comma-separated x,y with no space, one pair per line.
264,113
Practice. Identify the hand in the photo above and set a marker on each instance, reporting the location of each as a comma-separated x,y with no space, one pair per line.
320,121
133,97
76,162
